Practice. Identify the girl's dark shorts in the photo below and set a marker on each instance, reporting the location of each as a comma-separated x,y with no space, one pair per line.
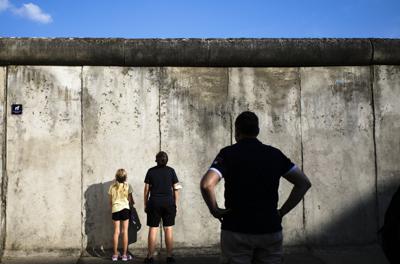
121,215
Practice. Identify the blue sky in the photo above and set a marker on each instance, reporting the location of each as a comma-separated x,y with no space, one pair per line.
200,19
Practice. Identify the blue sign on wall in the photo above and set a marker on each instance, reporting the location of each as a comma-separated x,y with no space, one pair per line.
16,109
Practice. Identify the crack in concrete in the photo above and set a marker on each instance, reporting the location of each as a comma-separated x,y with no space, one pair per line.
372,80
302,147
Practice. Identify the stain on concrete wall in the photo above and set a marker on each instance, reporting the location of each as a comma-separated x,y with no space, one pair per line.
120,130
387,120
194,127
337,128
2,174
274,95
44,160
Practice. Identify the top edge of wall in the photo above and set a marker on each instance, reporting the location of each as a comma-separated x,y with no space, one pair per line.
245,52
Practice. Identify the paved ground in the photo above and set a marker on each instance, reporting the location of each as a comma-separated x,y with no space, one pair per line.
366,255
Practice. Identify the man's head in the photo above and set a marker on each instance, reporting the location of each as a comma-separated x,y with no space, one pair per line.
246,125
162,158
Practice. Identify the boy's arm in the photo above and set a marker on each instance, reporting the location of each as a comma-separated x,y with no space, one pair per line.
146,194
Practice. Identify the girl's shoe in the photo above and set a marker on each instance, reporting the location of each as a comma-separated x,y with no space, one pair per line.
114,257
126,257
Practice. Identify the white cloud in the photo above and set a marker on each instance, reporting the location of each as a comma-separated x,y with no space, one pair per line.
33,12
4,5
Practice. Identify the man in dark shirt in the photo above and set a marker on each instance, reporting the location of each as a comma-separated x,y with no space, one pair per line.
251,223
160,202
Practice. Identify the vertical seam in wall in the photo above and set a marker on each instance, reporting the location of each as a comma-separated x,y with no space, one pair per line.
159,106
301,146
371,61
160,87
82,201
230,105
372,79
4,182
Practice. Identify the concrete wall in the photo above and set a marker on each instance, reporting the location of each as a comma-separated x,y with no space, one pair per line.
338,151
3,180
44,160
80,124
387,120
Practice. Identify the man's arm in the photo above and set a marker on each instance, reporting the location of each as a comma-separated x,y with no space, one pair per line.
207,187
301,185
146,194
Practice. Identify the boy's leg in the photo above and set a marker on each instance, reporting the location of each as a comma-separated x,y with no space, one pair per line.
169,241
168,218
125,225
151,243
115,237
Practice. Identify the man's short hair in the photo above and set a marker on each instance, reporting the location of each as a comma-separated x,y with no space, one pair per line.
247,124
162,158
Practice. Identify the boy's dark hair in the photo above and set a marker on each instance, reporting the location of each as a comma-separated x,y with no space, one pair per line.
162,158
247,124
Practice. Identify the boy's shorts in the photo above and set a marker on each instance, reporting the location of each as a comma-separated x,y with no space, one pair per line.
121,215
157,212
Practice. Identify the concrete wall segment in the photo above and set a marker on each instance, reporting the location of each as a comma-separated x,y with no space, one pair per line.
274,95
338,155
120,130
194,127
3,180
43,160
387,120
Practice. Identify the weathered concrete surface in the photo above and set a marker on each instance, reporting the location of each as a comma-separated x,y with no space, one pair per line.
387,127
199,52
3,181
120,130
61,51
386,51
44,161
194,127
337,128
274,95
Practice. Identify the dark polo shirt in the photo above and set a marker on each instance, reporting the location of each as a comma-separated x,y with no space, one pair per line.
251,171
161,180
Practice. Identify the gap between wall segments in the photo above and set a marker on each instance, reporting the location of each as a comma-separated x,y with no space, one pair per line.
82,198
372,80
302,153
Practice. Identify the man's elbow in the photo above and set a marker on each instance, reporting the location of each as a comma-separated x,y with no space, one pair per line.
307,185
205,185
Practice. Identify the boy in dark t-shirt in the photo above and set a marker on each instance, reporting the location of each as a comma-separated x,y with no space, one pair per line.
160,200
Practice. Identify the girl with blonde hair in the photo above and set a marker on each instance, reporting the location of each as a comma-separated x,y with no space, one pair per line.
121,199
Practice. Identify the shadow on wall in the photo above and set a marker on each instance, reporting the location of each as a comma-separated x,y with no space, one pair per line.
98,223
357,225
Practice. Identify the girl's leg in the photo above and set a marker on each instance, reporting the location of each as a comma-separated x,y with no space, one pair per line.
115,237
125,225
